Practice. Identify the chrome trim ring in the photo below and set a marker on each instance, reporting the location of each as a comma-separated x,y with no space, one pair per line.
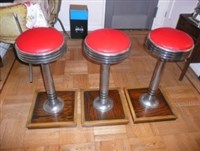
41,58
169,55
105,58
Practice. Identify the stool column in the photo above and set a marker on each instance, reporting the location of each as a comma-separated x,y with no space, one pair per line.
104,103
165,44
53,104
149,99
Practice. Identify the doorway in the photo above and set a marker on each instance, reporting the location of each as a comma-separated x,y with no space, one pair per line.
130,14
175,8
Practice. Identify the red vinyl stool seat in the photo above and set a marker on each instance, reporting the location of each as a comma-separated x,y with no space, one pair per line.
34,49
169,44
41,46
166,44
106,47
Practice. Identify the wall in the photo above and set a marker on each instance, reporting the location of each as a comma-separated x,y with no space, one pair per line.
96,12
169,11
161,13
167,15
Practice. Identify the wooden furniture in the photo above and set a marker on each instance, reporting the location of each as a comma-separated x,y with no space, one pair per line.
188,25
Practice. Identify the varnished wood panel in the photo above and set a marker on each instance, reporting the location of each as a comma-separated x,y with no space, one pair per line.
92,117
38,118
142,114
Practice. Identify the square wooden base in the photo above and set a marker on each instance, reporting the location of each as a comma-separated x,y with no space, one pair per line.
92,117
38,118
141,114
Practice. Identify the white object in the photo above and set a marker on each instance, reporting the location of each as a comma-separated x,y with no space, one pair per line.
35,16
3,48
196,68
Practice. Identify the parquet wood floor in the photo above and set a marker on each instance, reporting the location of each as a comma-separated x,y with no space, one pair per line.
73,71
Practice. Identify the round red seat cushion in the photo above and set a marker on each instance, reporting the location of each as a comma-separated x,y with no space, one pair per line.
37,41
171,39
107,41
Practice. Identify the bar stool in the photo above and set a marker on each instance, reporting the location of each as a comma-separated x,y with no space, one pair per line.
103,107
165,44
41,46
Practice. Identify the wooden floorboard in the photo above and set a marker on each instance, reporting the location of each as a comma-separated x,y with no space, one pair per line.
73,71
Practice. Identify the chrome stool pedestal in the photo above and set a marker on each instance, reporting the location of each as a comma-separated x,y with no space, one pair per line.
103,103
53,104
149,99
165,44
106,47
41,46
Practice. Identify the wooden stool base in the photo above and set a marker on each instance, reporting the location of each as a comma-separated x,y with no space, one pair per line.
141,114
92,117
38,118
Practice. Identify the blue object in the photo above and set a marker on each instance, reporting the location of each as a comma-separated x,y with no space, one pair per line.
78,13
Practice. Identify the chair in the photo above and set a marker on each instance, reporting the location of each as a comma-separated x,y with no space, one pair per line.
54,7
165,44
42,46
106,47
13,22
